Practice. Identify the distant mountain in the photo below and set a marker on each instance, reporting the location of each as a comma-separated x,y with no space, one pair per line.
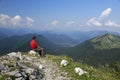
61,39
82,36
103,49
22,43
15,31
107,41
2,35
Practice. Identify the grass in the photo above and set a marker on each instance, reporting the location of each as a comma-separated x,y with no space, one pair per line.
92,73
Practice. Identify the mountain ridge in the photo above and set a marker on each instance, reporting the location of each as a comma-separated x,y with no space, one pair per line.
96,51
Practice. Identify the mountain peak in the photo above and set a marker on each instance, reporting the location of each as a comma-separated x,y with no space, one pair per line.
106,41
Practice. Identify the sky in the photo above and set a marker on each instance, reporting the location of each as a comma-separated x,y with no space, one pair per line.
60,15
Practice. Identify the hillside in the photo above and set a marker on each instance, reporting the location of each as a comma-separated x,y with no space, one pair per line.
26,66
97,51
21,43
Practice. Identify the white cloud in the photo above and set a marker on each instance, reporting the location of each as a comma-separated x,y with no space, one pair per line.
112,24
4,19
94,22
105,13
17,20
51,25
100,20
29,21
71,23
54,23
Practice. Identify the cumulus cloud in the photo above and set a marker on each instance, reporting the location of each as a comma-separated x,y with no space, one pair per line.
100,20
4,19
94,22
105,13
111,23
17,20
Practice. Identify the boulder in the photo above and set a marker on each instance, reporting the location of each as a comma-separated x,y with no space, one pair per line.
32,52
79,71
64,62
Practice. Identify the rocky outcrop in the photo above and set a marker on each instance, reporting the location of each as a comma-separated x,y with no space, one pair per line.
15,66
21,66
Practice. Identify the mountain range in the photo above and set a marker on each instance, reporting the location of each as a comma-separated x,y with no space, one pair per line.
22,43
61,39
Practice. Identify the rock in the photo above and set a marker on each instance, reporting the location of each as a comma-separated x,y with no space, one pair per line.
1,67
13,73
21,65
18,75
64,62
79,71
20,55
32,52
29,71
15,54
41,66
20,78
32,77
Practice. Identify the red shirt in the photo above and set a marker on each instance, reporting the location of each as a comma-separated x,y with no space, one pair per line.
33,44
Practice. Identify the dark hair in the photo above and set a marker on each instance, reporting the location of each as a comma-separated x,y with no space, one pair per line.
34,37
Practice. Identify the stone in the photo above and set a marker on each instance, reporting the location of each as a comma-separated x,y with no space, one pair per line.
41,66
29,71
13,73
32,52
18,75
20,78
32,77
79,71
21,65
15,54
1,67
64,62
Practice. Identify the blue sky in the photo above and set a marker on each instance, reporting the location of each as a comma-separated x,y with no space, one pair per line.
61,14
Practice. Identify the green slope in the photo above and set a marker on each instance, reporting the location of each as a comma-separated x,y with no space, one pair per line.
100,50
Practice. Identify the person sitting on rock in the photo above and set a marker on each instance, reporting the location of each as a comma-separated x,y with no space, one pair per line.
35,46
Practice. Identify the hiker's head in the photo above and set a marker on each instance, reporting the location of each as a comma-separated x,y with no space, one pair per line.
34,37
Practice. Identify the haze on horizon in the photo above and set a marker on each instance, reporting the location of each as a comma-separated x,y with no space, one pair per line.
60,15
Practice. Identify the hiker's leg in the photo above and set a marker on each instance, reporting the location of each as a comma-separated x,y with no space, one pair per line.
42,54
41,51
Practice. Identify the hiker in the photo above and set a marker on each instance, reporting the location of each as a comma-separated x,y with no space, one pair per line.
35,46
